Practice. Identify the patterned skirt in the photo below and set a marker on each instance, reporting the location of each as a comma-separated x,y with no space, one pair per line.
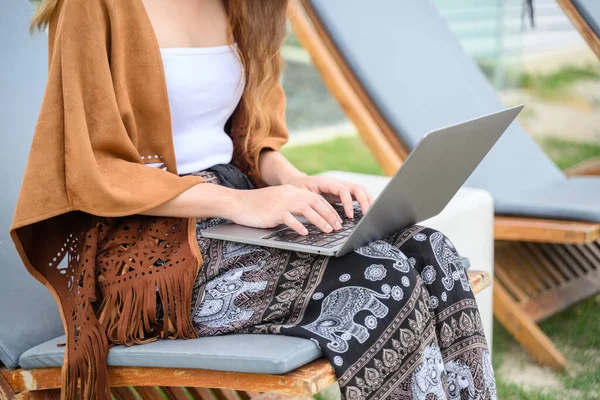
396,318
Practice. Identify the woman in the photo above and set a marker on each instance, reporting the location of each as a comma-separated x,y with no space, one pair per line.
159,121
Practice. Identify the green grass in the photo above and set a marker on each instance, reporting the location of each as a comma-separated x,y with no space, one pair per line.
345,154
556,84
576,331
551,86
566,154
516,392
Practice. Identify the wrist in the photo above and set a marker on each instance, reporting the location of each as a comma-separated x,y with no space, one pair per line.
223,201
291,176
229,202
277,170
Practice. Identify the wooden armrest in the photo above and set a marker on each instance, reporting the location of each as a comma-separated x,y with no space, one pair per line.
545,230
306,380
479,280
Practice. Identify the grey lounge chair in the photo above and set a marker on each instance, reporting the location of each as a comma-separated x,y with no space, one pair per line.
241,366
398,72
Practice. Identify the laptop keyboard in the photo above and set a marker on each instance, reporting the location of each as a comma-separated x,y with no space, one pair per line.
316,237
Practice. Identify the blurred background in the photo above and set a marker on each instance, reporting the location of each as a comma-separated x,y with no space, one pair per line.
545,64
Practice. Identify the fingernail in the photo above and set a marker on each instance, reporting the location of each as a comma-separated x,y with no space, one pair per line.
304,231
328,227
338,225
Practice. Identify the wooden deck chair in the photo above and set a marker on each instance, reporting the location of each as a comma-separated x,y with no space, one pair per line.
585,16
224,368
398,72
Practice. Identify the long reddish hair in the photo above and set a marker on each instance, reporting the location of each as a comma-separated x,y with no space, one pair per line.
258,27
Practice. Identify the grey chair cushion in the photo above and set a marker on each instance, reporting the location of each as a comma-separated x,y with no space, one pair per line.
258,353
575,198
28,313
590,10
420,79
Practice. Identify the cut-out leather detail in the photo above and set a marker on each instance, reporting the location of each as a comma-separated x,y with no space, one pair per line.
118,270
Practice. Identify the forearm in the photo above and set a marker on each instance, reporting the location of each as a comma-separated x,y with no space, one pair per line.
276,169
209,201
204,200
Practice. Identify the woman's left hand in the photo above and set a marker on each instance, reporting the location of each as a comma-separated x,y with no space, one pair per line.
336,191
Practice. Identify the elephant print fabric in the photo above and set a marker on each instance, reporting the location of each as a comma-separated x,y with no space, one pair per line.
428,376
396,318
218,306
449,262
336,321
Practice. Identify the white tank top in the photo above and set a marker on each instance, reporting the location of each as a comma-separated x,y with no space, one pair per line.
204,86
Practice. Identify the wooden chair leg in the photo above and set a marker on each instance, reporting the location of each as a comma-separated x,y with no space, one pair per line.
149,393
53,394
123,393
175,393
220,394
247,395
225,394
200,393
525,331
241,395
6,392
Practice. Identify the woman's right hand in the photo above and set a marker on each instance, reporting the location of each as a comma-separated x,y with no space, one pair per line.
275,205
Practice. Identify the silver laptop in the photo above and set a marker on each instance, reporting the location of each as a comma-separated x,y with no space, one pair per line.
428,179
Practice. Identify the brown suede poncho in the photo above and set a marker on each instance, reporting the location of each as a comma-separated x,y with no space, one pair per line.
104,116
